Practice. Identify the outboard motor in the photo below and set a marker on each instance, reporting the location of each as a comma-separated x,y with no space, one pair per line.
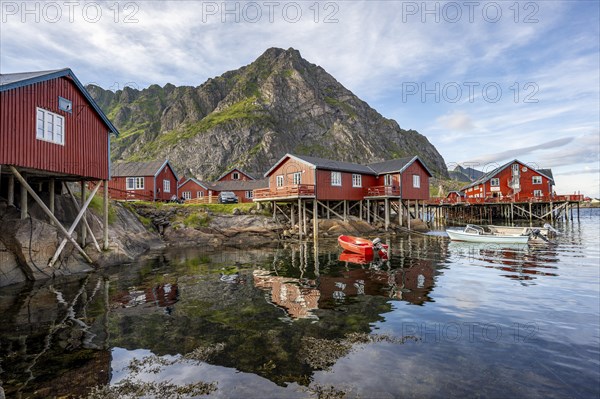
552,229
377,246
535,233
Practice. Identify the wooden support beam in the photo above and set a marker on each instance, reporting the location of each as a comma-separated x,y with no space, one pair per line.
409,215
330,210
315,226
360,210
73,227
83,230
11,190
386,204
345,210
400,212
23,201
293,215
369,211
47,211
51,190
300,217
105,217
85,222
304,228
276,208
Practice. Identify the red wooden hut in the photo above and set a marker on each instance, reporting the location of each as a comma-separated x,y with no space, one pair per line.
514,180
236,174
51,131
407,178
148,181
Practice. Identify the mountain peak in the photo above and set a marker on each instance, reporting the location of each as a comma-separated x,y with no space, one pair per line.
252,116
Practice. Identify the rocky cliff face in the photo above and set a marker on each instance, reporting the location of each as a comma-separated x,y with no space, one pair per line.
252,116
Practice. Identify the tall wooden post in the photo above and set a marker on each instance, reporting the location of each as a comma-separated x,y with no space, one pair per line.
369,211
315,225
274,210
300,217
105,217
408,209
51,196
11,190
328,212
293,215
400,211
551,212
304,218
83,230
360,210
386,204
24,200
345,210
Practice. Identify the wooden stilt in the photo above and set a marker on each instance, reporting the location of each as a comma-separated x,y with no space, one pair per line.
85,222
386,204
11,190
51,196
408,209
293,215
24,210
315,223
304,220
105,217
551,212
300,218
578,211
47,211
328,210
345,210
400,212
360,210
74,226
83,230
369,211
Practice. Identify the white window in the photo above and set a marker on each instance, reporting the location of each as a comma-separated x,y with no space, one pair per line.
167,186
250,194
495,182
135,183
199,194
387,180
235,176
279,180
297,178
336,178
416,181
356,180
536,179
50,127
186,195
537,193
515,169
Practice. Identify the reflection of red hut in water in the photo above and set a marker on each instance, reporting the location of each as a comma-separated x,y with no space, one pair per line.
160,295
297,301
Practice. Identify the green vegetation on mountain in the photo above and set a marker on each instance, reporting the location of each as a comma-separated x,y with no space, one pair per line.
250,117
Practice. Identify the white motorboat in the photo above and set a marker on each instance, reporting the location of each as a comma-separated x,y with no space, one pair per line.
473,233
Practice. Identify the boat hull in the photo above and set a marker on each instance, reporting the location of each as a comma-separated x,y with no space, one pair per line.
358,245
457,235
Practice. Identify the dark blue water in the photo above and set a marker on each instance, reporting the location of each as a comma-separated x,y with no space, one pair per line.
438,319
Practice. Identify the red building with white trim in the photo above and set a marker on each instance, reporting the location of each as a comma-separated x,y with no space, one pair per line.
147,181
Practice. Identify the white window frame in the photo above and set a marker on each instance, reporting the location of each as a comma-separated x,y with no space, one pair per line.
186,195
199,194
515,169
536,179
336,179
235,176
166,186
416,181
279,181
495,182
134,183
538,193
388,180
297,178
49,126
356,180
249,194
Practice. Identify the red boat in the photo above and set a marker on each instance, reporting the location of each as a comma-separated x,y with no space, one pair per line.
352,257
360,246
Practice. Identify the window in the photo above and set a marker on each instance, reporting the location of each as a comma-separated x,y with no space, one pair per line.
249,194
297,178
135,183
199,194
537,193
186,195
50,127
279,180
515,169
387,180
235,176
356,180
65,105
536,179
495,182
416,181
167,186
336,178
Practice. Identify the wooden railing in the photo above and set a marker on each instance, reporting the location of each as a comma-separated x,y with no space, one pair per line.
382,191
506,200
296,190
212,199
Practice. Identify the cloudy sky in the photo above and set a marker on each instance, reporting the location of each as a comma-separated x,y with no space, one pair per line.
485,81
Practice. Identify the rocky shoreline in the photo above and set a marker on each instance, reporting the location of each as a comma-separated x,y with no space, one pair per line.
136,228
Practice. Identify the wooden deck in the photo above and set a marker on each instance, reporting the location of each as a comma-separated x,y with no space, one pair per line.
285,193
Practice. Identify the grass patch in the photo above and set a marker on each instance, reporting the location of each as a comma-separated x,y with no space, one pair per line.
97,205
227,209
341,105
197,220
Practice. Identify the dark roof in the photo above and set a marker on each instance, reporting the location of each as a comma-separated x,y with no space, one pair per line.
396,165
239,170
138,169
459,193
494,172
201,183
547,173
326,164
245,185
9,81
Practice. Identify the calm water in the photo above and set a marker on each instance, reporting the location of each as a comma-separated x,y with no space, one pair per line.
438,319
